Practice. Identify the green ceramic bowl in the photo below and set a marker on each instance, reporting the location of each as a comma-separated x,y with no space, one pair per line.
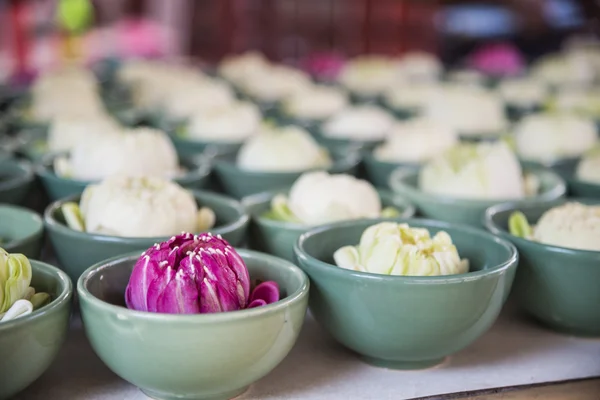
404,182
201,356
564,168
76,250
189,147
555,285
406,322
16,180
21,231
378,172
333,143
57,187
29,344
4,155
516,113
278,238
577,187
240,183
32,143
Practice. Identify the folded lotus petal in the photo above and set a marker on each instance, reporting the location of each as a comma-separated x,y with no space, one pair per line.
257,303
146,270
209,300
157,286
222,279
180,296
267,291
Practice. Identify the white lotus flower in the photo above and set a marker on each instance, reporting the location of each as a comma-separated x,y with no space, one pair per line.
359,123
415,141
238,68
588,169
65,133
470,111
523,92
275,83
577,67
368,75
282,150
573,225
228,123
318,197
185,98
419,66
138,207
315,102
468,77
584,102
390,248
550,137
137,152
475,171
412,96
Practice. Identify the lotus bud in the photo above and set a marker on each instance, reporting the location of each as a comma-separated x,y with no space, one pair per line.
189,274
15,278
389,248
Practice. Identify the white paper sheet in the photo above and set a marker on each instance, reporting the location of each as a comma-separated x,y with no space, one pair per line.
514,352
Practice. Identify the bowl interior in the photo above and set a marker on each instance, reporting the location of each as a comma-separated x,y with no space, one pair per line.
18,224
483,250
108,281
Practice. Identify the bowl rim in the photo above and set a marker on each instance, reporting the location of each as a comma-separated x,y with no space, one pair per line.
398,177
495,229
348,160
30,213
370,157
25,167
256,199
332,269
201,169
302,291
64,296
53,224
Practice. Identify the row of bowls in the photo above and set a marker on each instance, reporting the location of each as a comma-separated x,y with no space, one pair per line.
389,321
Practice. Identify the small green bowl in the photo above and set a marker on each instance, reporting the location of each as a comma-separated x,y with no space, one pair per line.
201,356
404,181
57,187
32,143
564,168
577,187
189,147
21,231
406,322
334,143
29,344
240,183
516,113
5,155
16,180
76,250
278,238
378,172
557,286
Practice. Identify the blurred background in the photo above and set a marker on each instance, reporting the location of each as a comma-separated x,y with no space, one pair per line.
289,30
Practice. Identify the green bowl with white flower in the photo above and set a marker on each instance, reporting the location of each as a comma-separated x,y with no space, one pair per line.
35,325
583,175
143,152
407,100
122,214
279,217
405,293
225,128
365,126
462,183
522,96
559,249
554,140
410,144
16,180
276,158
21,231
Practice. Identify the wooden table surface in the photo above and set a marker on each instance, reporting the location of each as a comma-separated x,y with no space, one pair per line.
586,389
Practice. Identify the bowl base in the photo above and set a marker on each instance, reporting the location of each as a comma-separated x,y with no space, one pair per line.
221,396
403,365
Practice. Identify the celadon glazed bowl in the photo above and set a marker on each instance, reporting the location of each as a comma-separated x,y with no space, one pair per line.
557,286
378,171
29,344
196,176
200,356
406,322
404,181
76,250
21,231
278,237
16,180
333,143
578,187
188,146
239,183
